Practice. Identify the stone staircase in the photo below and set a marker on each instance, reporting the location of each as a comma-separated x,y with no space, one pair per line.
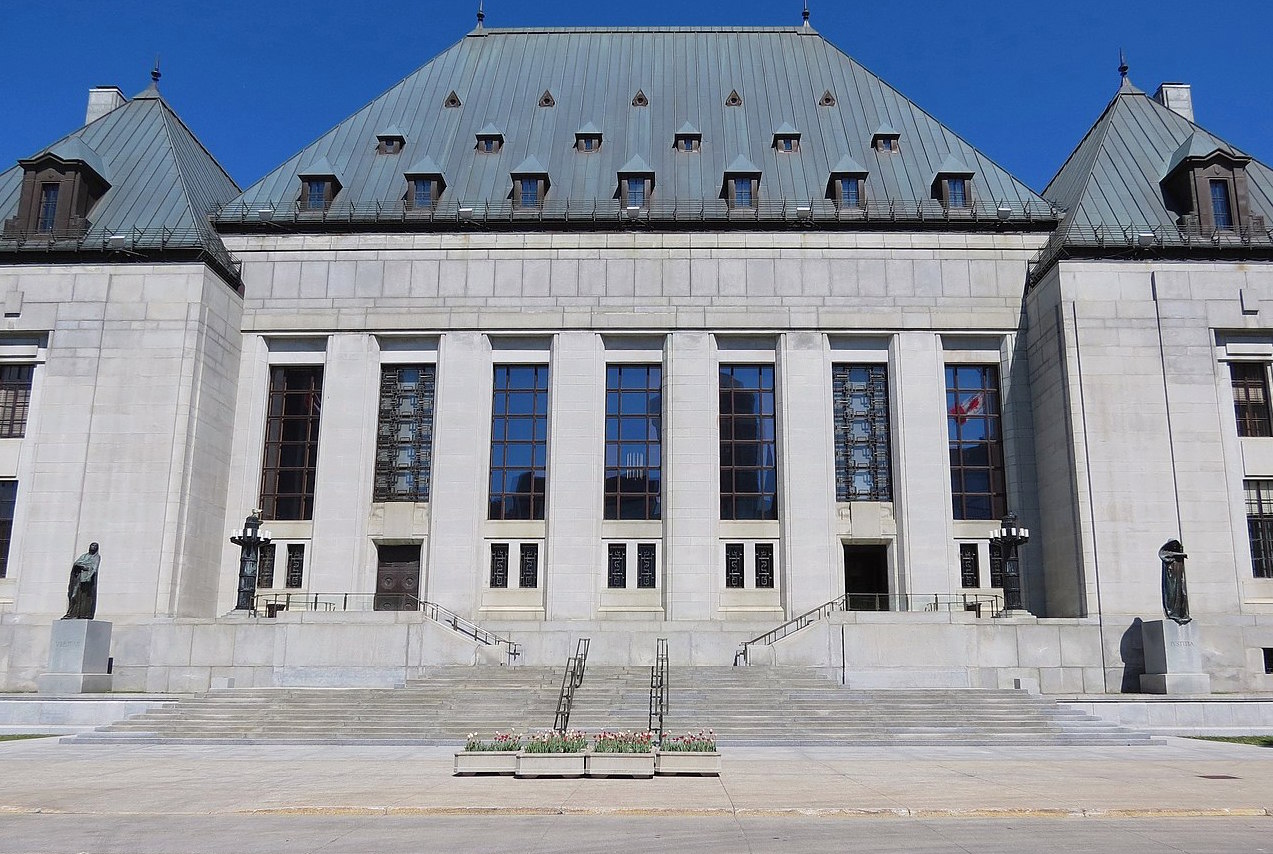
747,705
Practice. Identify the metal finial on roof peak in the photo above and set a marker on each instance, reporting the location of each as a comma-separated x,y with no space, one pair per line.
806,13
154,73
481,13
1122,64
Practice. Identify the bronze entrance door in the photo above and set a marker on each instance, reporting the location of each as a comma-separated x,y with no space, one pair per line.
398,578
866,577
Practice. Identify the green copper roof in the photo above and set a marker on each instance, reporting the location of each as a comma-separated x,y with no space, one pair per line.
594,75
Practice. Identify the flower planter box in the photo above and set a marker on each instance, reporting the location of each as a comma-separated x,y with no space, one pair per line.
551,764
620,764
485,762
686,762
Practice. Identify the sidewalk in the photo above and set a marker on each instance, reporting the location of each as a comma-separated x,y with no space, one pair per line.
1171,777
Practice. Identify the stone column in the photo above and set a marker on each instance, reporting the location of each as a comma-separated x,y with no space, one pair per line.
921,481
461,445
806,466
691,479
574,562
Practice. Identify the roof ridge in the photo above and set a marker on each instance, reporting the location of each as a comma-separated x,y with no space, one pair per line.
504,31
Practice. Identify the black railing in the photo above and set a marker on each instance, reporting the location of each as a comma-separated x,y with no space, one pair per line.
570,681
981,603
659,674
274,603
612,213
137,243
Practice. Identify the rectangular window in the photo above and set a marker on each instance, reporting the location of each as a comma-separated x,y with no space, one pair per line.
636,192
617,566
404,437
422,194
976,444
734,565
316,195
291,442
849,195
295,565
764,566
1259,524
15,399
8,505
265,567
48,208
529,574
748,443
969,567
634,449
1251,397
1220,205
519,442
499,564
996,565
859,396
742,193
529,192
646,566
1268,659
957,192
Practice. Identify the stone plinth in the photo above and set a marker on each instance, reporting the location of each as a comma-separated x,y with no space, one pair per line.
1173,659
79,658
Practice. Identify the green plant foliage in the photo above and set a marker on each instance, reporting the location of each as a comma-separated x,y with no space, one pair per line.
623,742
703,741
572,741
500,741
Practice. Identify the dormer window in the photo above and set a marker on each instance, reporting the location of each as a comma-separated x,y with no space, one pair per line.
742,184
423,194
528,193
587,138
886,140
636,183
60,186
390,141
847,184
48,208
634,196
424,185
688,139
956,192
530,185
1205,184
317,195
490,140
848,192
786,139
743,193
952,184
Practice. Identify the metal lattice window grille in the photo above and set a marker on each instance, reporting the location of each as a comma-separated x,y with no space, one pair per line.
969,565
519,442
646,566
295,565
1259,522
764,566
617,566
265,567
860,400
748,443
1251,398
15,399
8,504
975,439
734,570
404,437
291,443
634,445
499,565
996,565
529,571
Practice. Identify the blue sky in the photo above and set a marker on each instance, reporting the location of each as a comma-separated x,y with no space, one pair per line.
257,81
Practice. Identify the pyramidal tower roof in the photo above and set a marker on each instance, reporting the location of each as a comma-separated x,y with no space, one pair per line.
686,74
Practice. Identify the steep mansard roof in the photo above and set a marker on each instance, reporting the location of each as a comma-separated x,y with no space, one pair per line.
1111,183
163,183
500,77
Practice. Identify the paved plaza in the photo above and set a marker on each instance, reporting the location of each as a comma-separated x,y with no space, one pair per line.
1174,794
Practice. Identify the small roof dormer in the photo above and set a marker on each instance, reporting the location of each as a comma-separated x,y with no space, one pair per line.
320,183
886,139
952,183
688,138
1205,184
490,139
530,183
588,138
390,140
425,167
786,139
741,183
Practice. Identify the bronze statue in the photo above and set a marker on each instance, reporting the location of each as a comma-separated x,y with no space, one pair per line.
82,593
1175,598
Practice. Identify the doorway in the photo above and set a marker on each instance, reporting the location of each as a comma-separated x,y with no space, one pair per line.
866,577
398,578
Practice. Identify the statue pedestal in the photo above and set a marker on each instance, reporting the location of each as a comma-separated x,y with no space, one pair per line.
79,658
1173,659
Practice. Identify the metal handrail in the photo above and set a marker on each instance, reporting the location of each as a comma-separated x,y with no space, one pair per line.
570,682
659,688
872,602
273,603
123,243
600,213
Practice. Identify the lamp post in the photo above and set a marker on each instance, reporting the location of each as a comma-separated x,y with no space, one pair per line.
250,540
1009,536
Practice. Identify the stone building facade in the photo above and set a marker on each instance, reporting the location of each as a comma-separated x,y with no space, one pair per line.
575,348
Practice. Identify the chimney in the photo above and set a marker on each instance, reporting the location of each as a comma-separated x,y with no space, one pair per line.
101,100
1177,97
